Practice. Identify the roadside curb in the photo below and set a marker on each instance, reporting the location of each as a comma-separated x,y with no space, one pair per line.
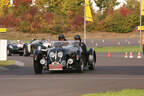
17,64
3,69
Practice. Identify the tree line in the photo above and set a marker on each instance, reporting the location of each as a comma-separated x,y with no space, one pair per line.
56,16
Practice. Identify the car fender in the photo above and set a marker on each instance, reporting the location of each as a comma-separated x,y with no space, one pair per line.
8,46
91,55
37,53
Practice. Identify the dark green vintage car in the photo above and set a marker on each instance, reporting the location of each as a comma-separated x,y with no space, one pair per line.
29,48
65,55
15,48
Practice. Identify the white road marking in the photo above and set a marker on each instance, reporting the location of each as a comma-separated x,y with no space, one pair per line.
71,78
18,63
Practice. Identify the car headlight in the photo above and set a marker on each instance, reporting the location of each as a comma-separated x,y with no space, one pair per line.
46,44
42,61
11,46
20,45
39,47
52,54
60,54
70,61
91,57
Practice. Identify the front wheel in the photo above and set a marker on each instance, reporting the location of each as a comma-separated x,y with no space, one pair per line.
92,66
92,62
20,54
25,52
37,67
80,66
9,52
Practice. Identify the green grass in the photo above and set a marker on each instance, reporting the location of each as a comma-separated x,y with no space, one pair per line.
118,49
6,63
127,92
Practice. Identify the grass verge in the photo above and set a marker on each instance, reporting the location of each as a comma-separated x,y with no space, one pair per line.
127,92
119,49
6,63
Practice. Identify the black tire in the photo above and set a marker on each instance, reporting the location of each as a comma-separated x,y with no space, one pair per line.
37,67
80,66
9,52
92,65
20,54
25,52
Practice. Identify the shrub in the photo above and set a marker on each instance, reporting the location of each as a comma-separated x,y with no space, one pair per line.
24,26
18,2
91,26
124,11
77,23
49,18
8,21
121,21
33,11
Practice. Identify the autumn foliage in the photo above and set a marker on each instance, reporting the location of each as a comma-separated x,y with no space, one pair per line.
18,2
66,16
124,11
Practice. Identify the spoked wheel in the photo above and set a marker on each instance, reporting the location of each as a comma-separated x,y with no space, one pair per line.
92,63
37,67
80,67
92,66
9,53
20,54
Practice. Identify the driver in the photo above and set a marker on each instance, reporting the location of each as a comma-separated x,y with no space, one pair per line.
33,40
18,41
61,37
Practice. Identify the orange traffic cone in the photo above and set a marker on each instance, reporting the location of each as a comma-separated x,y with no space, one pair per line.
139,55
131,55
126,55
109,55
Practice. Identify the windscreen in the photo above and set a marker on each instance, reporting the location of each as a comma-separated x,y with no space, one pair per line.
64,43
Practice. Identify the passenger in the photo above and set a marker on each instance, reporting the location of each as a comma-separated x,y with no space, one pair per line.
18,41
61,37
82,44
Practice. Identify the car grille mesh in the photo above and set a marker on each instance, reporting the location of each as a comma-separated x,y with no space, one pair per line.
56,58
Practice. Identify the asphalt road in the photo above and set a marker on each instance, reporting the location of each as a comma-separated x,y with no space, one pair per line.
112,74
113,42
108,42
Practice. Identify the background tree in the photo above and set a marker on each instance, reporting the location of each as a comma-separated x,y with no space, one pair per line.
4,4
106,4
133,5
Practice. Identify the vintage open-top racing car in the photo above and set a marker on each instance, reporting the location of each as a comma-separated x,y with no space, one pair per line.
15,48
66,55
29,48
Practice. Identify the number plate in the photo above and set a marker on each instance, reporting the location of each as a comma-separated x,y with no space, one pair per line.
55,66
